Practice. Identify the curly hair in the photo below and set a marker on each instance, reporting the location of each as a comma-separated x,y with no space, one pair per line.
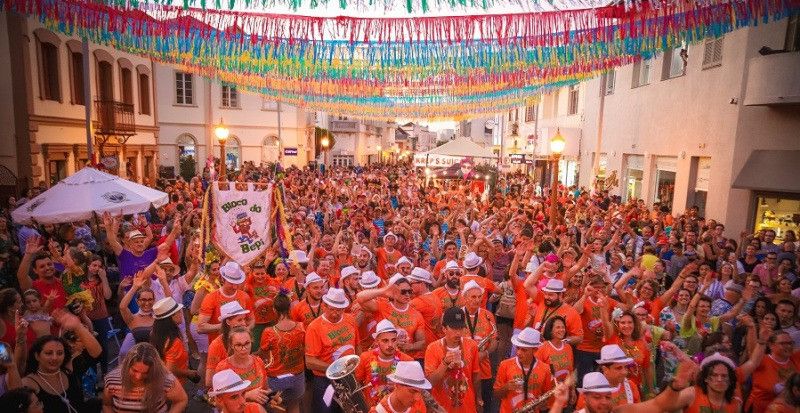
705,374
38,346
637,328
547,333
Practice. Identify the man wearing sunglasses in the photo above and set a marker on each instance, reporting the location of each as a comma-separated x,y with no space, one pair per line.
393,303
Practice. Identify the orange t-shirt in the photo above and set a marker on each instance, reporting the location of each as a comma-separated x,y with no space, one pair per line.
780,406
539,382
478,328
213,301
434,355
370,363
768,374
639,351
560,358
286,348
176,356
409,320
305,313
383,258
618,397
488,286
430,307
447,301
384,406
593,325
262,296
521,309
216,353
329,341
296,290
539,311
255,372
251,407
701,404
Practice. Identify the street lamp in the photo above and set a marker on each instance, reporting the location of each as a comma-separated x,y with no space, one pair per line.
557,144
325,142
222,134
380,153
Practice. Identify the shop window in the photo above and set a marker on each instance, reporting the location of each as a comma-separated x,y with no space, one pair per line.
665,188
778,212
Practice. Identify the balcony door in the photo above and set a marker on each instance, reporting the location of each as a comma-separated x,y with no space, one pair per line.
105,81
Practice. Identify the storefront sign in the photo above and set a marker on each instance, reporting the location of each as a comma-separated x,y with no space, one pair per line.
517,158
436,161
289,151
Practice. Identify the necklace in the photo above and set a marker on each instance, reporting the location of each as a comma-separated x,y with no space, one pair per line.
62,394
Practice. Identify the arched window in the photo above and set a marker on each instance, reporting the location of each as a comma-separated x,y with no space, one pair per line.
270,149
49,76
233,153
126,80
187,146
105,75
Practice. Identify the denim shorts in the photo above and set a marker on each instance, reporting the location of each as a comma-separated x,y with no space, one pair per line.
292,387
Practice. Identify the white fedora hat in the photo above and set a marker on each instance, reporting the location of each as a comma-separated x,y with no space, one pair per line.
528,338
231,309
421,275
312,278
554,286
369,279
596,382
232,273
452,265
389,234
409,373
470,285
395,278
613,354
404,260
384,326
472,260
166,307
348,271
227,381
336,298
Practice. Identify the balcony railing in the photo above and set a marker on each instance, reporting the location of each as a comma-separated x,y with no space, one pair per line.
114,118
773,80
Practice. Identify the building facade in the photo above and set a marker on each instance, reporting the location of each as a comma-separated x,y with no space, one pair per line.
713,125
261,131
44,132
360,142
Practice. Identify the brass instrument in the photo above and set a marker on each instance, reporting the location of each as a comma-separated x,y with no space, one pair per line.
347,392
535,405
488,339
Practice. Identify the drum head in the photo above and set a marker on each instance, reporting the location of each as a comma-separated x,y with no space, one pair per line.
342,367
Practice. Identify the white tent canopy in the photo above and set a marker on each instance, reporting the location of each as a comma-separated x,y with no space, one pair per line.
452,152
86,192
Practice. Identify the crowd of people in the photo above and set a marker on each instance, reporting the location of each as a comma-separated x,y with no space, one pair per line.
456,295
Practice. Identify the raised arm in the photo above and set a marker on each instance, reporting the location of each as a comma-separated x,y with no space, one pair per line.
32,247
111,225
367,299
124,311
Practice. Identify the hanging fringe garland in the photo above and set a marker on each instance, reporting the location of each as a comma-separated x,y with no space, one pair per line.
385,79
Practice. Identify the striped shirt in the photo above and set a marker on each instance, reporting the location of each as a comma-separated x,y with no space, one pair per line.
132,401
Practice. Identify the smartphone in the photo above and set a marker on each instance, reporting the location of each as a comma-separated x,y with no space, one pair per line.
5,354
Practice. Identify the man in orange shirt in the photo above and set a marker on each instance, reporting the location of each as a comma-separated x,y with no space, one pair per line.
392,303
332,335
310,307
451,364
550,304
228,394
428,305
472,263
481,327
409,380
450,254
614,366
233,280
379,362
593,306
522,379
450,293
404,266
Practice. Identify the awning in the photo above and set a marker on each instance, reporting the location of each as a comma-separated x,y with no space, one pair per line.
772,171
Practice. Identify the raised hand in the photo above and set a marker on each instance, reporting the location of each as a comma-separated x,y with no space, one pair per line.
66,320
33,245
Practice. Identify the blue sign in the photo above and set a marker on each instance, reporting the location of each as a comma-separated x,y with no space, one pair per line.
290,151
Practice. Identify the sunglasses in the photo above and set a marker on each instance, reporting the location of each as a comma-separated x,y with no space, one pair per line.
406,292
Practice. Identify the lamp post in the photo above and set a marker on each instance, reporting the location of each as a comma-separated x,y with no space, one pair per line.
557,144
222,134
325,142
380,153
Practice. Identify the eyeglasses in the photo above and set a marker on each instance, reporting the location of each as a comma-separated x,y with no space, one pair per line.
242,346
406,292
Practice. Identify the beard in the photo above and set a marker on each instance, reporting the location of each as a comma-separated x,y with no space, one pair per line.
453,283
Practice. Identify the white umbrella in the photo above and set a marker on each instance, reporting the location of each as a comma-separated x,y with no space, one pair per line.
86,192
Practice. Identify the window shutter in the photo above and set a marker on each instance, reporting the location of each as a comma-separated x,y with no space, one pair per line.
718,51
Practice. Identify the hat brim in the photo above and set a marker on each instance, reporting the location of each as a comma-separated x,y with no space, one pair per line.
626,360
478,264
550,290
524,344
376,334
423,384
170,313
371,285
245,384
422,280
334,304
238,281
240,312
597,390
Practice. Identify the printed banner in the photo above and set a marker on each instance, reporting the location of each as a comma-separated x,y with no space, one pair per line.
242,222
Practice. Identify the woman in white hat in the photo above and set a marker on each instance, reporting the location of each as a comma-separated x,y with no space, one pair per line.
166,337
522,379
245,364
232,315
409,380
